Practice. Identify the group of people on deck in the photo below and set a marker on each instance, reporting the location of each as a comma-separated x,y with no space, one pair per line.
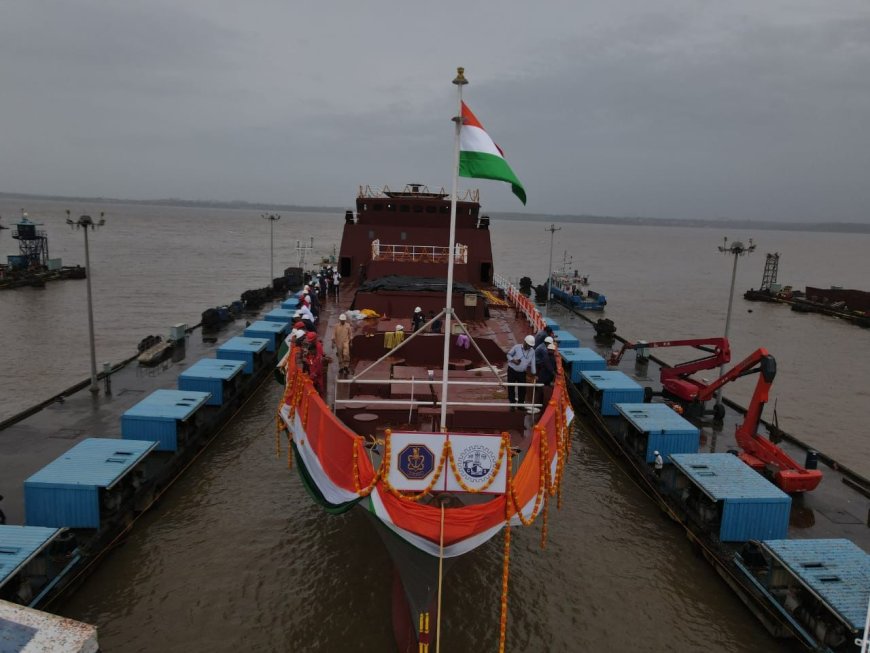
535,358
309,347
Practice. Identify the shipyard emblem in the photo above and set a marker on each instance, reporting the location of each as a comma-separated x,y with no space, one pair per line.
416,462
475,463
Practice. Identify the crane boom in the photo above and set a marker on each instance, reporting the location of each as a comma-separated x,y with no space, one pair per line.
676,379
758,451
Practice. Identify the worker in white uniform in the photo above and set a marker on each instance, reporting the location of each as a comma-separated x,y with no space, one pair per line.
521,360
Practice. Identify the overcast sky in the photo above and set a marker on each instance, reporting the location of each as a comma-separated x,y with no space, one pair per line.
685,109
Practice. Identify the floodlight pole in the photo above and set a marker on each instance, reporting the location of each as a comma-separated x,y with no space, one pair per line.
84,223
272,218
736,249
552,229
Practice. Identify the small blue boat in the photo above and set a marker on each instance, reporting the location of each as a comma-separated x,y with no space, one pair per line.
568,289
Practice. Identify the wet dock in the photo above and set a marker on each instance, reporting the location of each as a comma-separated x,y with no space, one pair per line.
29,444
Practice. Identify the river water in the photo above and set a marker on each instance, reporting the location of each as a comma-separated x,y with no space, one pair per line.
237,557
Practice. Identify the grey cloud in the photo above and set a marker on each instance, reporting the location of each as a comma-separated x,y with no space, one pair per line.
676,109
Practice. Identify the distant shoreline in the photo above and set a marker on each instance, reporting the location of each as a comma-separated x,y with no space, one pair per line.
631,221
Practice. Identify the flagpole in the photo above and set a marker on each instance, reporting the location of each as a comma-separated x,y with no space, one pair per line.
460,81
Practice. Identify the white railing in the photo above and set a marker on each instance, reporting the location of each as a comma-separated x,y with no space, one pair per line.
368,191
418,253
520,302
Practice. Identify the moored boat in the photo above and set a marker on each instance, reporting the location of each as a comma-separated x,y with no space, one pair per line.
568,288
444,473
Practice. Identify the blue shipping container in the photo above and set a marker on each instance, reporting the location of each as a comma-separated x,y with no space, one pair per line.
566,339
664,430
19,544
65,493
247,350
161,416
752,508
272,332
609,388
213,376
836,570
579,360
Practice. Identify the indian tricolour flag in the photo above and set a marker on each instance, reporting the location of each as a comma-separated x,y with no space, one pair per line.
481,158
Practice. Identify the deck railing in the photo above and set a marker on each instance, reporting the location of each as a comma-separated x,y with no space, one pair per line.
522,303
418,253
368,191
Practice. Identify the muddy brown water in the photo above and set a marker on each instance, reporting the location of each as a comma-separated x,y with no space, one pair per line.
237,557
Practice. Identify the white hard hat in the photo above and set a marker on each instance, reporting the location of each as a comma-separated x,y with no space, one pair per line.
342,317
551,346
548,340
655,453
399,327
530,340
418,310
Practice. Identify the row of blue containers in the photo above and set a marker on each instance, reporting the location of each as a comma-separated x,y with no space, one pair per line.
94,481
731,500
66,492
749,506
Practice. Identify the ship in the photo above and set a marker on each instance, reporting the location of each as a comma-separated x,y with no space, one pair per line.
418,427
442,460
568,288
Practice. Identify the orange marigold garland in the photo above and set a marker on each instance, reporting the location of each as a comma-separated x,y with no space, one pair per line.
538,497
364,492
545,483
279,426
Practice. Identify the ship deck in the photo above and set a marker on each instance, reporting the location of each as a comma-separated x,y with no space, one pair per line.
370,414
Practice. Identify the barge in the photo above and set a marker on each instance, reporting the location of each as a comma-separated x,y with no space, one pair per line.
847,304
798,561
116,454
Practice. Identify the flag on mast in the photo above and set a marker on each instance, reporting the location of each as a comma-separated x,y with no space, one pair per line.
481,158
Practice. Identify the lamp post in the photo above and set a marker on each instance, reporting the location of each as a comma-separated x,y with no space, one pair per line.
735,249
272,218
552,229
84,223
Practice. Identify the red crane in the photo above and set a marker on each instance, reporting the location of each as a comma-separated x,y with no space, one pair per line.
676,380
757,451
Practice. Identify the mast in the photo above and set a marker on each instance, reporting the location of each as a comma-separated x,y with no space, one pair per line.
460,81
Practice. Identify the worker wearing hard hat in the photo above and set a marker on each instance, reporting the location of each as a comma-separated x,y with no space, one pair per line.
418,319
521,360
658,463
